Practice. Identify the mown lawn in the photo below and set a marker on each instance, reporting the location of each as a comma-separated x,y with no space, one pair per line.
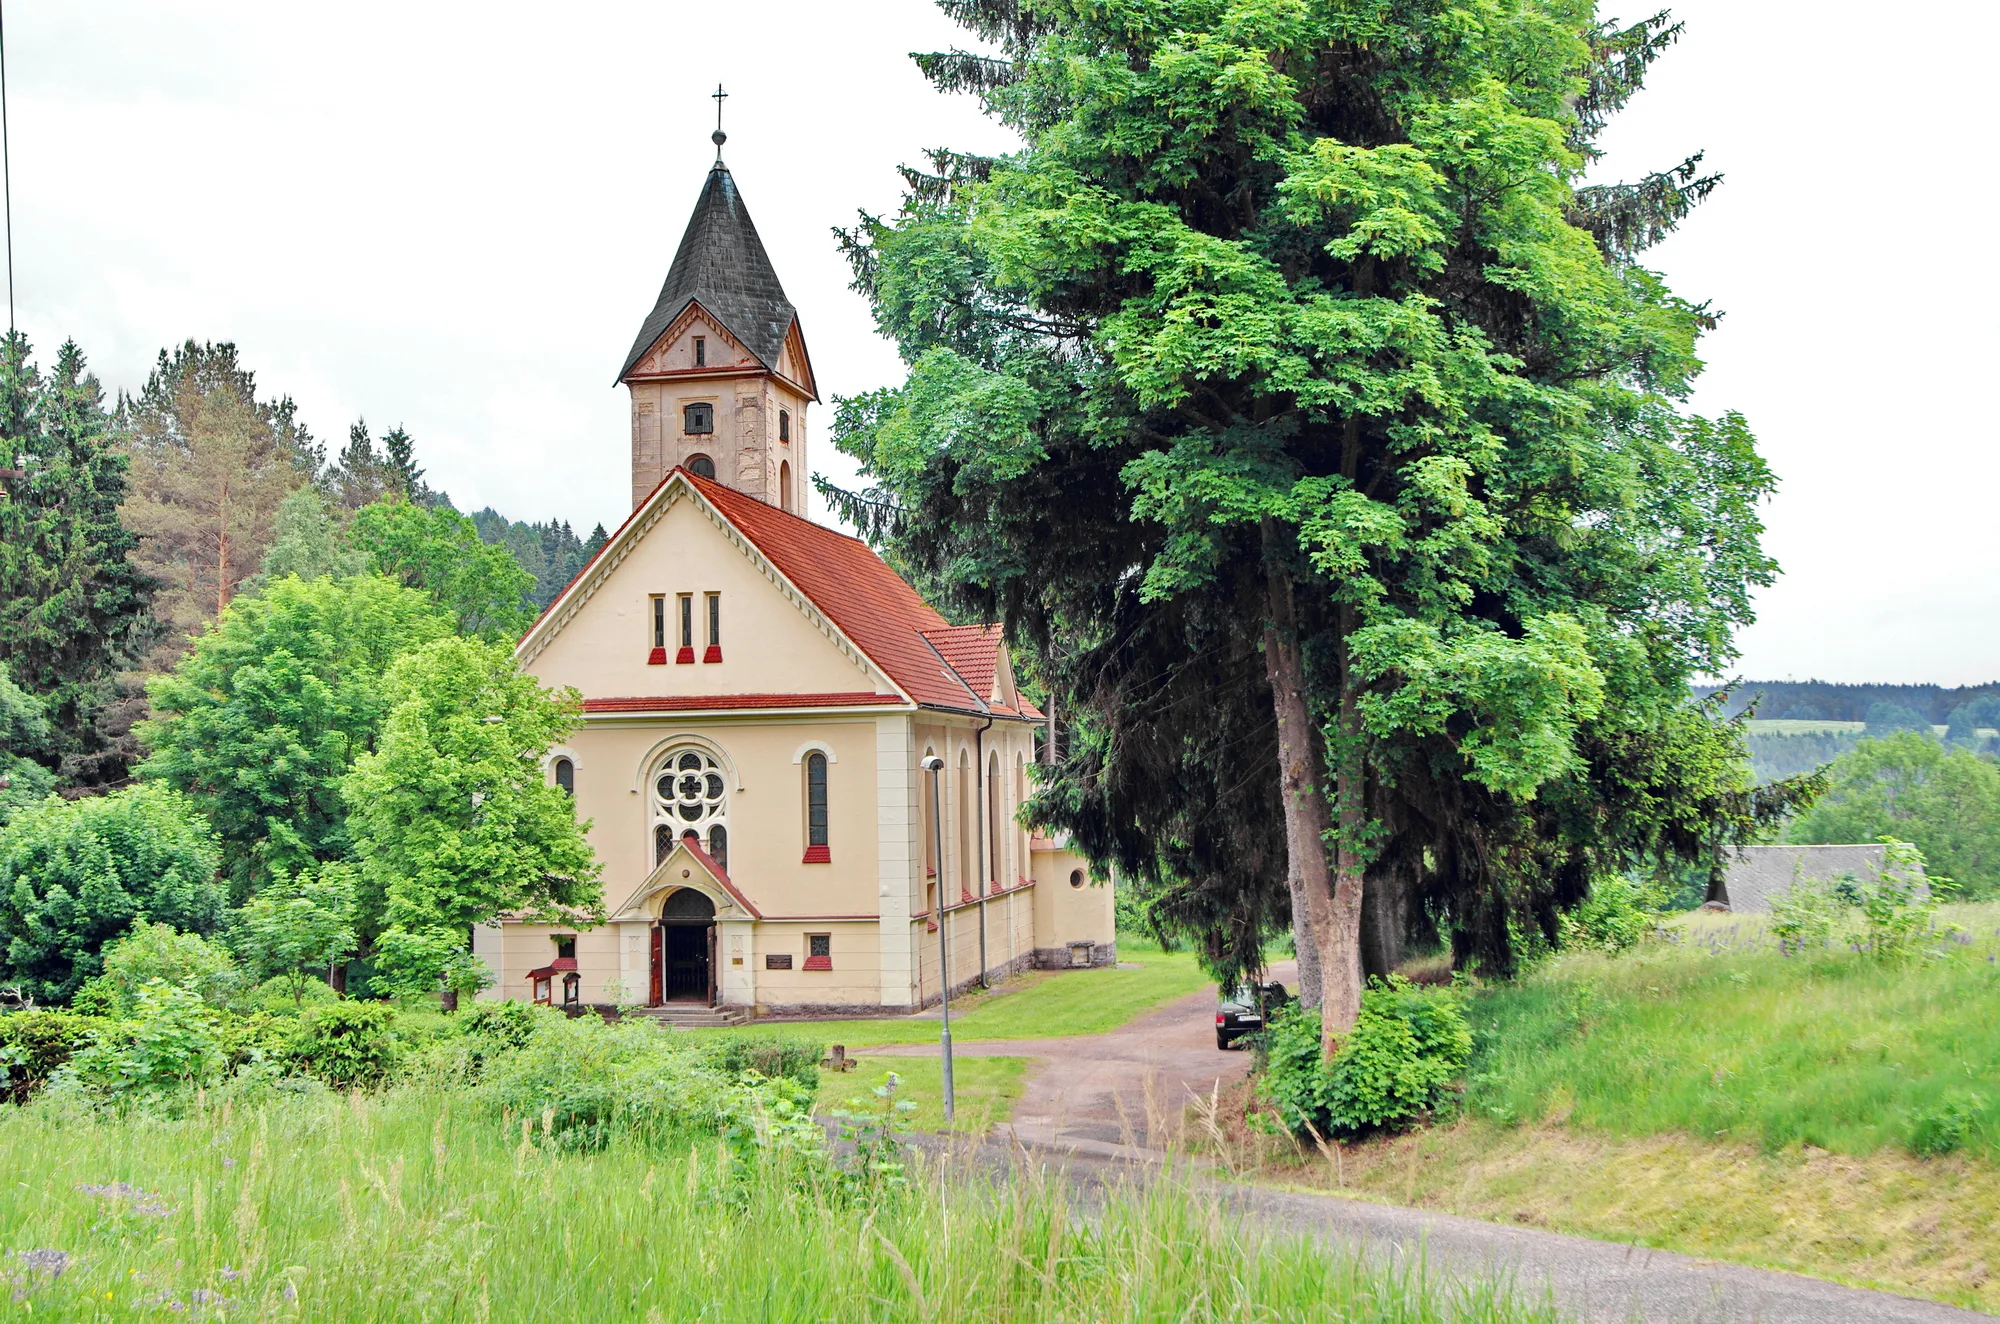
984,1089
1041,1005
417,1205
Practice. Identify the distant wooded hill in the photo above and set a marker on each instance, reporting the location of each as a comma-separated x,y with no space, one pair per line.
1819,700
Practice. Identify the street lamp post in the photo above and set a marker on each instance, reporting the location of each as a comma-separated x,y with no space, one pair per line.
935,765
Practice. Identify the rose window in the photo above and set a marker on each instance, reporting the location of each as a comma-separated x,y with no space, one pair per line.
691,798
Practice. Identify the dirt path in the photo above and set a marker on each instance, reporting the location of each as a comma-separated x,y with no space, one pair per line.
1105,1108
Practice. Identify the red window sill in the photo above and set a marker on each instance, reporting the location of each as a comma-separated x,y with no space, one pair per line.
818,855
657,658
819,963
714,653
685,656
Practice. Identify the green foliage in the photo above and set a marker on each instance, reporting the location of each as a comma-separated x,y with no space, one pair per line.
76,874
1885,718
35,1044
348,1043
1945,801
437,550
298,926
1396,1066
877,1129
1731,1035
1253,336
1775,756
307,542
270,709
784,1055
451,814
1618,912
158,951
583,1083
171,1040
74,609
24,731
551,552
1944,1129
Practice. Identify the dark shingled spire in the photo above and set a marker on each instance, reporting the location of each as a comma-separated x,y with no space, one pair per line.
722,265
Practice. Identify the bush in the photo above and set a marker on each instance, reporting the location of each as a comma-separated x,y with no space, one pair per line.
1945,1128
347,1043
795,1059
581,1081
158,951
173,1039
1613,918
35,1044
1396,1065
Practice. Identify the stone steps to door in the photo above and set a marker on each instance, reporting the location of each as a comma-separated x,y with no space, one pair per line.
691,1016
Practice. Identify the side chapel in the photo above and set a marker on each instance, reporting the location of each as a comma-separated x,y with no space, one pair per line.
759,691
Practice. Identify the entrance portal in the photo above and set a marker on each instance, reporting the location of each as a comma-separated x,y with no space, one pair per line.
684,950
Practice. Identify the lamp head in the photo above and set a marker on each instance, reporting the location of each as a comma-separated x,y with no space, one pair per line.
932,764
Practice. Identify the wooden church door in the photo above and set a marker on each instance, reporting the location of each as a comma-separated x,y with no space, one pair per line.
656,992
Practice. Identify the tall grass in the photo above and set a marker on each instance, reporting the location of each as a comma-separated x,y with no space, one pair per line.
411,1205
1725,1037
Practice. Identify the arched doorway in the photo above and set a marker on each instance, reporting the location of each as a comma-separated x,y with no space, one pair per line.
683,964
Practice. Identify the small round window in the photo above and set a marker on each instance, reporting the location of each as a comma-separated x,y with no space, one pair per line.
1076,878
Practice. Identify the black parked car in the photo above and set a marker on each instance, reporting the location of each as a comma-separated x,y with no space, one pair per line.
1244,1010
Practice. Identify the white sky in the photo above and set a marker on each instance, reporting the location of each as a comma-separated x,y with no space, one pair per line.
455,218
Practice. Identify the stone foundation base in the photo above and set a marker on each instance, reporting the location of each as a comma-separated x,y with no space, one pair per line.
1076,956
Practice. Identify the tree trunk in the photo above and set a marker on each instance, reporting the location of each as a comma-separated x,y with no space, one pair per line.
1310,993
1332,919
1340,948
450,999
336,977
1384,917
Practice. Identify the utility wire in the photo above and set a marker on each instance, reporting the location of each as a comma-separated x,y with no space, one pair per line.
6,169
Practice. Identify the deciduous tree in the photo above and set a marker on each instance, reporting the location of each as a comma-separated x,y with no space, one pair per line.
298,926
1292,400
438,550
268,711
1943,800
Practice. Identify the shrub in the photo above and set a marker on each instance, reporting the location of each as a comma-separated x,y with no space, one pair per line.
158,951
1613,918
1807,913
35,1044
75,874
1397,1064
1946,1127
583,1081
347,1043
797,1059
172,1039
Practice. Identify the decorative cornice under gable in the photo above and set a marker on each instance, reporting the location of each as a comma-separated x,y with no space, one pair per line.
673,488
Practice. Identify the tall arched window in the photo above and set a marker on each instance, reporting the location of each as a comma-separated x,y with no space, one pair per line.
702,465
817,849
995,825
566,776
784,484
966,861
784,425
690,798
1020,836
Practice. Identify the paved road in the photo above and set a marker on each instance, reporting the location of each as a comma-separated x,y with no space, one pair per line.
1105,1107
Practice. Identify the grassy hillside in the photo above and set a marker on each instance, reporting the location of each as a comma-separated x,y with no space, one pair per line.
1709,1094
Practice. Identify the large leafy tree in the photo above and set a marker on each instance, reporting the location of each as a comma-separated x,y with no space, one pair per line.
76,874
211,463
74,609
1325,439
438,550
270,708
452,816
1945,801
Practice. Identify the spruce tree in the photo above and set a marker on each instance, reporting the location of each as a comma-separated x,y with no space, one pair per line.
73,606
1326,444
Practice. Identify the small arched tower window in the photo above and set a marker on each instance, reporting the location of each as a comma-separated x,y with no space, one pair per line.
784,425
817,849
701,351
718,846
784,484
566,776
701,464
698,417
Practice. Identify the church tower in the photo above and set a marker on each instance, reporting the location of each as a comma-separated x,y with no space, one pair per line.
719,376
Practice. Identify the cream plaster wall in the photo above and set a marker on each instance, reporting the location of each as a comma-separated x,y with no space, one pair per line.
1065,914
770,645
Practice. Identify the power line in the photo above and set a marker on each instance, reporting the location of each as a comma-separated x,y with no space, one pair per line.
6,169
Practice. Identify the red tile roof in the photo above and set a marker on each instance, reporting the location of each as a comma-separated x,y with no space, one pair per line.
677,703
867,601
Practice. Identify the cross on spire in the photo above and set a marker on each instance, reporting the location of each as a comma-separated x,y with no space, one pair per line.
718,137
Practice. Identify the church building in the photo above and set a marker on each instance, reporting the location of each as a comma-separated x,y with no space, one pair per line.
759,694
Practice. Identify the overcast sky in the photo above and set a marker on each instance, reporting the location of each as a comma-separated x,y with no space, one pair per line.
455,217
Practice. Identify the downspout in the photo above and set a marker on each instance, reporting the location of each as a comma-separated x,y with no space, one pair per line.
985,855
